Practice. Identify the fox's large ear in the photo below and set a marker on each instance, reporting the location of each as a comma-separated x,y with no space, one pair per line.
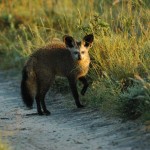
88,40
69,41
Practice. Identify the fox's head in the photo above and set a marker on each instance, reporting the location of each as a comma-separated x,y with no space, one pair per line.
79,50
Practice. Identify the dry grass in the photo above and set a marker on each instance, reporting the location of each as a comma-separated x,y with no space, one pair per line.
120,50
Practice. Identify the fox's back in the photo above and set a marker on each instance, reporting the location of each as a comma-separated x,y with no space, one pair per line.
57,61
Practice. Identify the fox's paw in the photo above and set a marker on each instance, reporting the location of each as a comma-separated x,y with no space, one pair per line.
47,113
40,113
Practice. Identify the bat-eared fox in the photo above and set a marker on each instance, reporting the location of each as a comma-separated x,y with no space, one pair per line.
69,59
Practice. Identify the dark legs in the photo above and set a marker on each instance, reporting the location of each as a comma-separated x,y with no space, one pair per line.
40,102
85,85
43,88
73,86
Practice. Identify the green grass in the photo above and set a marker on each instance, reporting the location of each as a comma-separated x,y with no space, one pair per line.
136,101
120,51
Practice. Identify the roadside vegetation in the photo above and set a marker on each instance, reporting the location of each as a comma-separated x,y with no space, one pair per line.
120,58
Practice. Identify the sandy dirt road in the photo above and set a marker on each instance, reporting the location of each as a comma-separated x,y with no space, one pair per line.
67,128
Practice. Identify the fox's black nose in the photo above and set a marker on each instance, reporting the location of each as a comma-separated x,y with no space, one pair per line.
79,57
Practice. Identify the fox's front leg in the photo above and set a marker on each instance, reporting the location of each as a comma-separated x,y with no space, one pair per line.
85,85
73,86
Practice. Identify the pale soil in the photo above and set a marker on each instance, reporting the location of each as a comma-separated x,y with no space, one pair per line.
67,128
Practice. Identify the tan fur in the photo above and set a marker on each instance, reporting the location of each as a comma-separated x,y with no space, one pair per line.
83,67
55,43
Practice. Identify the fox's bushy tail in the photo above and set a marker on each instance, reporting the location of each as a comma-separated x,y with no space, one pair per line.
25,90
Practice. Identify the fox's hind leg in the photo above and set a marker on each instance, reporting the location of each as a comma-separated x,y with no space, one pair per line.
43,87
43,94
38,104
85,85
40,100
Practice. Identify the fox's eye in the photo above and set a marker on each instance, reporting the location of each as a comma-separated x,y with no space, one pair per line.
82,52
75,53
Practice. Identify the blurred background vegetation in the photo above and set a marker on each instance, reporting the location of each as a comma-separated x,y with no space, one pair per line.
120,57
